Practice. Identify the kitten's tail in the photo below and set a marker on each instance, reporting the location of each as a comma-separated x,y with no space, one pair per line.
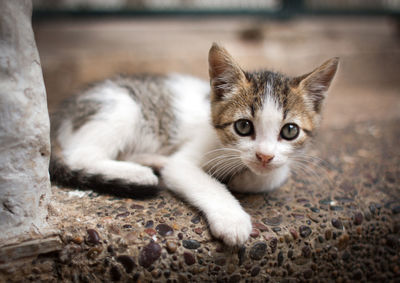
61,174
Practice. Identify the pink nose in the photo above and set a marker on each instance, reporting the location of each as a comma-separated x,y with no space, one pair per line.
264,158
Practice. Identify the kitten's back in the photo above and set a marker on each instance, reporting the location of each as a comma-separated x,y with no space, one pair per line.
118,119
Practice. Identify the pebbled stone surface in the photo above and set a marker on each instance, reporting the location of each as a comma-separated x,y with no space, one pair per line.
359,242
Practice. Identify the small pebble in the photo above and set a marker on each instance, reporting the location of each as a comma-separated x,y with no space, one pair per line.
328,234
189,258
336,208
294,233
298,215
273,221
137,206
325,201
273,244
372,208
313,218
167,273
276,229
260,227
149,224
77,240
396,209
343,241
344,199
127,261
110,249
123,215
93,237
337,223
305,231
150,231
280,258
258,250
164,229
255,271
196,219
254,233
191,244
149,254
358,218
171,247
156,273
198,230
115,274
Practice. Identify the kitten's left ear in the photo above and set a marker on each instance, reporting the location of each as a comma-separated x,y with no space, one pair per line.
314,85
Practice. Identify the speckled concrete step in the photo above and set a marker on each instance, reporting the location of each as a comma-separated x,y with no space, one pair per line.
338,222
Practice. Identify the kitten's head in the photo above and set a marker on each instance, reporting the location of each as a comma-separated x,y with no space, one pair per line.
267,116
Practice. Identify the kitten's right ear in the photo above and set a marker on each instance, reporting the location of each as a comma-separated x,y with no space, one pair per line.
225,73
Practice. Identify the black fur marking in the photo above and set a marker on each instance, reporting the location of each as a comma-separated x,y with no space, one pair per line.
62,175
222,126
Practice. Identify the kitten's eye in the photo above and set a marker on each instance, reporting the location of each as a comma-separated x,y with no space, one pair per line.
290,131
244,127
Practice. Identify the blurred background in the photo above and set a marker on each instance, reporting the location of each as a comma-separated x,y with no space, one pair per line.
83,41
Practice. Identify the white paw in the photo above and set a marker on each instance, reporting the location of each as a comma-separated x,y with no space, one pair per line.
143,176
232,227
132,173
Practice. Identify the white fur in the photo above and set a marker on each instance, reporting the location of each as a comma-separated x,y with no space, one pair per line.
95,146
190,103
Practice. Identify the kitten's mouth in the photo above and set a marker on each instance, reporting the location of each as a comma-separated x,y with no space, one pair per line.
260,168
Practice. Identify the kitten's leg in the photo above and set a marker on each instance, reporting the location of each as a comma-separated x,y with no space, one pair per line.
227,219
155,161
90,161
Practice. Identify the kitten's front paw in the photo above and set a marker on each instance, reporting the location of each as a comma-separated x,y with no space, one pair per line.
233,228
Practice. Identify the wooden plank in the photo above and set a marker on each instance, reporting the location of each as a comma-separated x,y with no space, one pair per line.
29,249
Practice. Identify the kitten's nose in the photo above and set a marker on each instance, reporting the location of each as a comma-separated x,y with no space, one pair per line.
264,158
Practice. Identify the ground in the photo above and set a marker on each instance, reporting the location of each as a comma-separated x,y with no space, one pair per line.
336,221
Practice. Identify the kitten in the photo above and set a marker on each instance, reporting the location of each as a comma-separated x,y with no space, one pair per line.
241,134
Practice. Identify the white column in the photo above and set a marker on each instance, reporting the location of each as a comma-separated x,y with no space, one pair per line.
24,127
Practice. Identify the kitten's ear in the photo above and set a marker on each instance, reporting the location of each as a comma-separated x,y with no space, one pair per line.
225,73
314,85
